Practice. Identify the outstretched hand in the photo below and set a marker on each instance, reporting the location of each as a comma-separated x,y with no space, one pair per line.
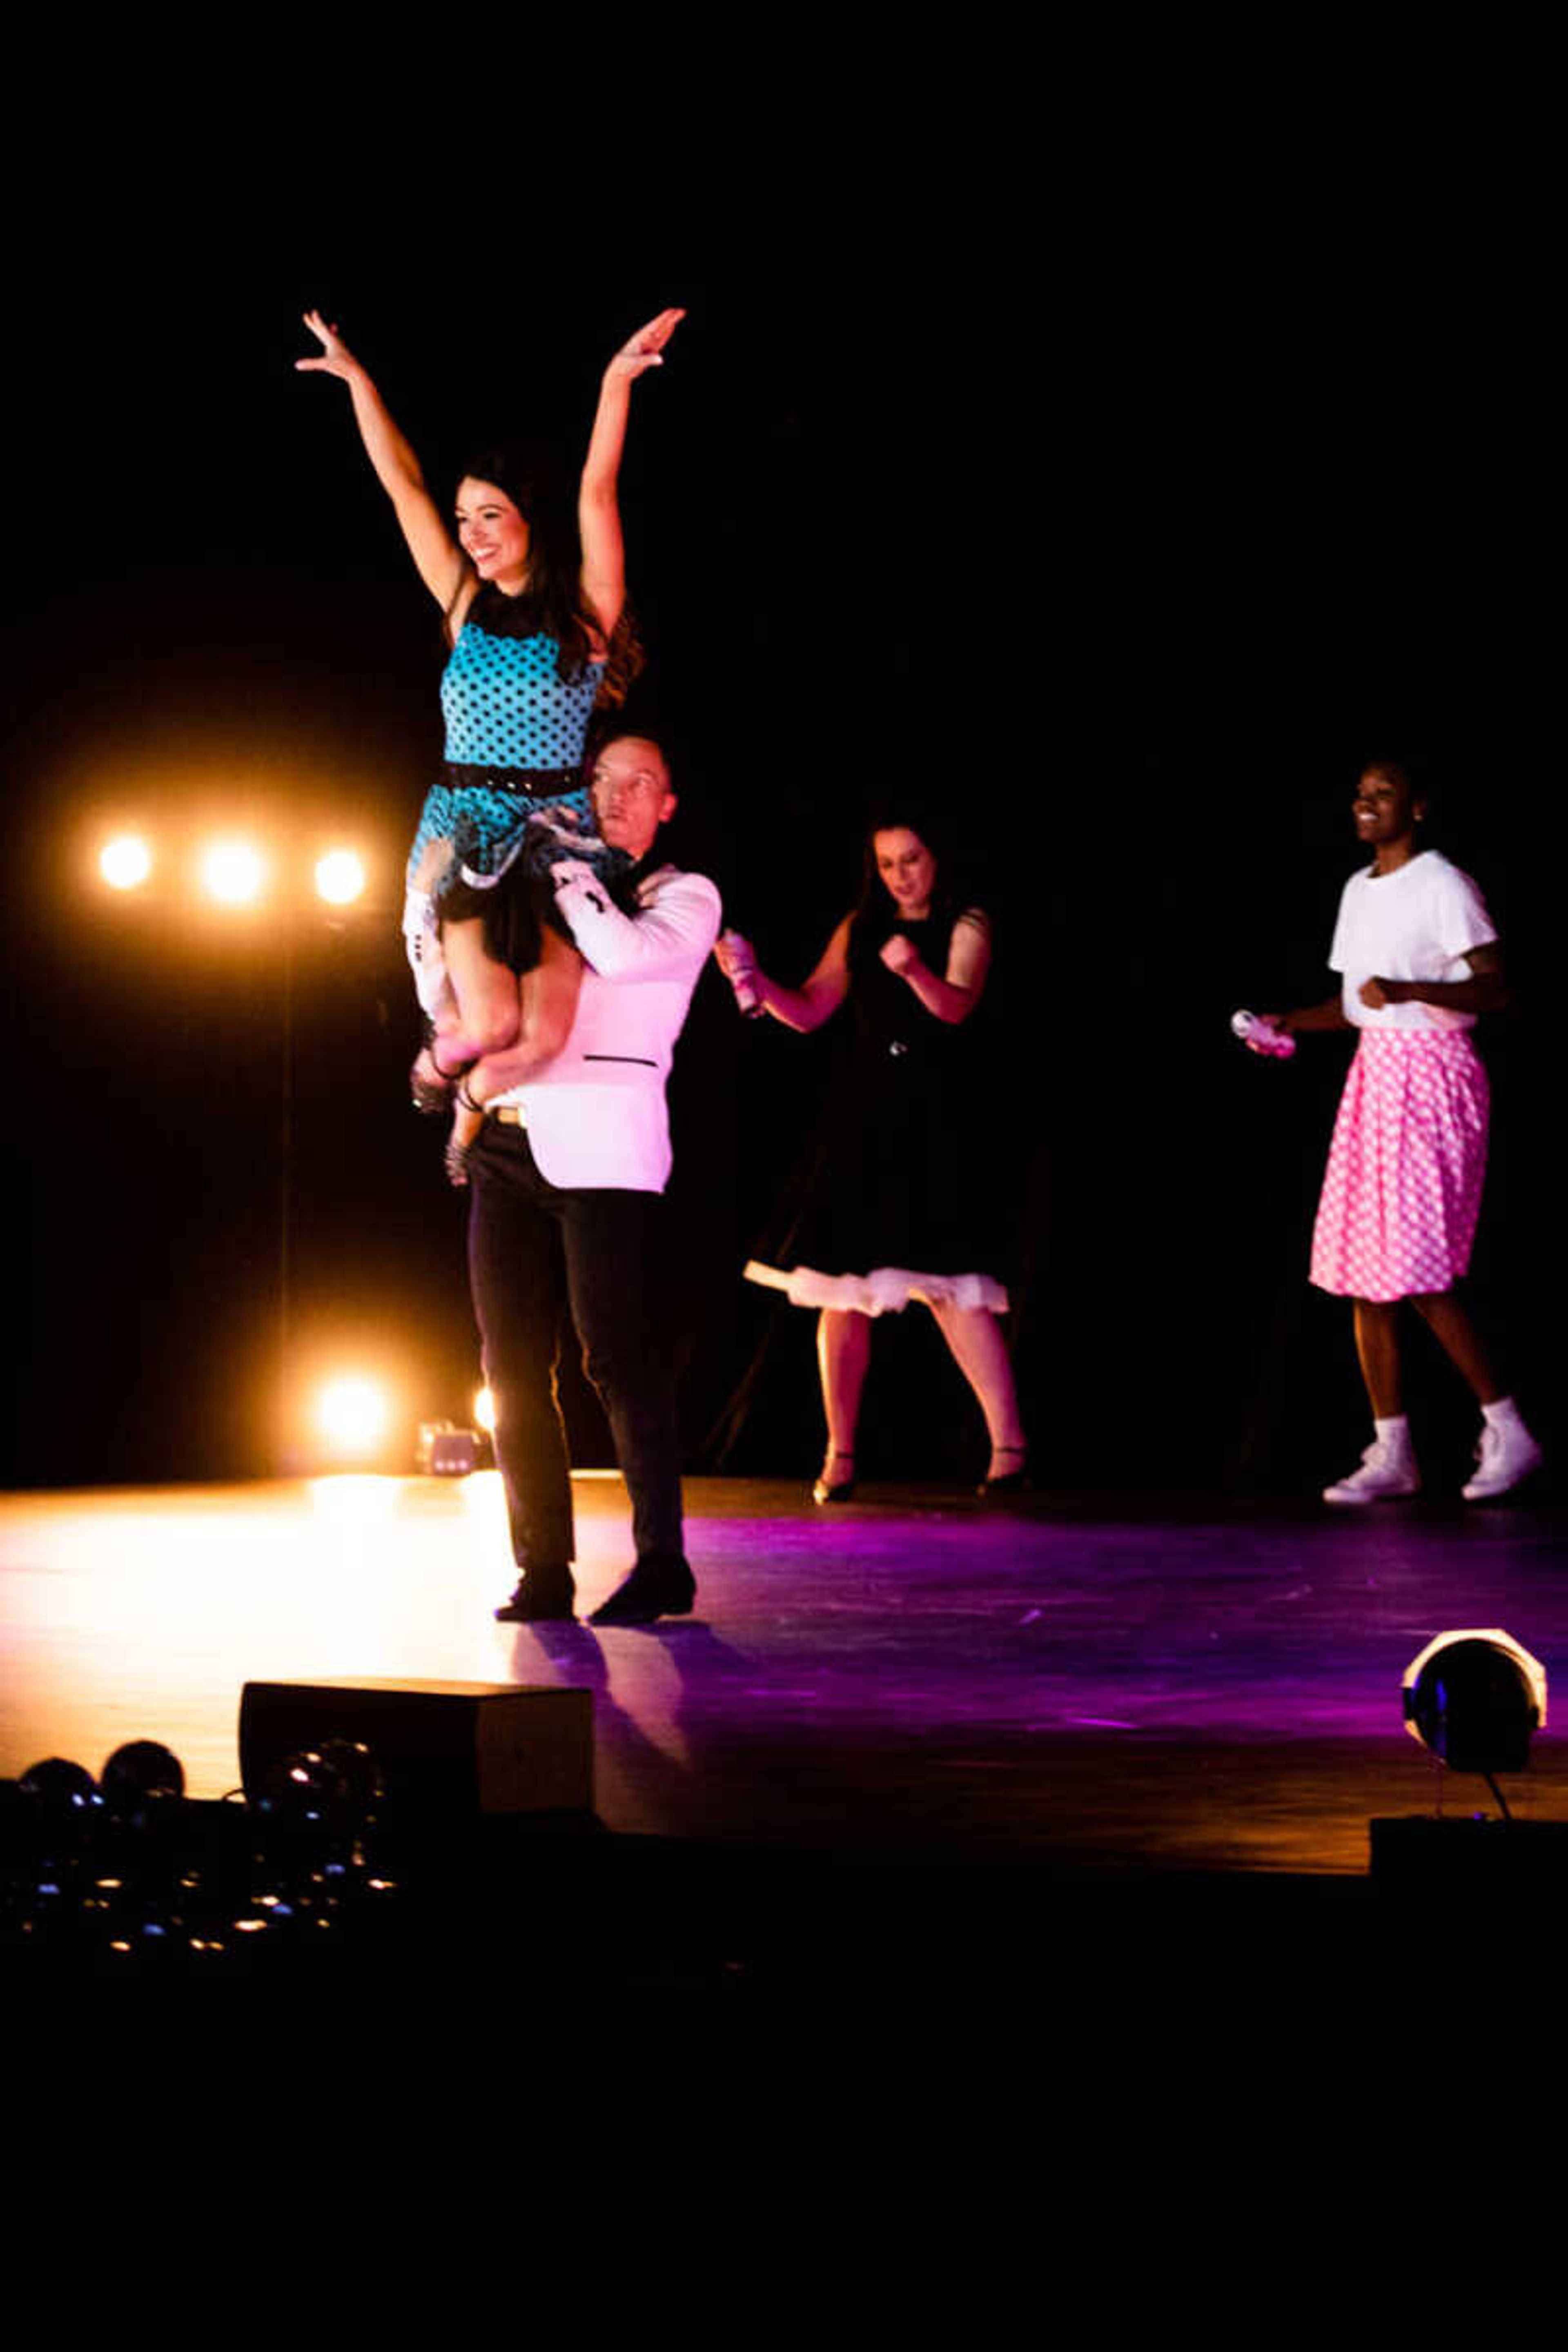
646,348
336,358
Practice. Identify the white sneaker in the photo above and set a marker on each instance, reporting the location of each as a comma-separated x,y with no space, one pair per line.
1505,1456
1386,1472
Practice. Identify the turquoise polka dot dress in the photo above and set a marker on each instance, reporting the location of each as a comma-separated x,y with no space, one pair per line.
515,735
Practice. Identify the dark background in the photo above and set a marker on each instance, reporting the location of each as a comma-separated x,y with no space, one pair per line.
1121,466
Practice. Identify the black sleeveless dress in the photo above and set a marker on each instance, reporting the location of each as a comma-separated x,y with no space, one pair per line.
899,1201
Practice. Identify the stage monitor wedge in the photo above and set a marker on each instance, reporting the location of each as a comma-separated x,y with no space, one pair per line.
451,1750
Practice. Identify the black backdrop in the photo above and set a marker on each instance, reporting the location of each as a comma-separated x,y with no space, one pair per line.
1124,492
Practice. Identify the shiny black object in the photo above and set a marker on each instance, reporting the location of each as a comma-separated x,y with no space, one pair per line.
1473,1704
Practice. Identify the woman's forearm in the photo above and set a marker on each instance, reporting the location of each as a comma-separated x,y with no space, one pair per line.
398,468
604,580
1329,1014
424,529
805,1008
1484,992
941,997
798,1008
607,442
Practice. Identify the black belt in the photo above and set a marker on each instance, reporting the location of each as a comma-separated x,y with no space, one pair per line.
523,783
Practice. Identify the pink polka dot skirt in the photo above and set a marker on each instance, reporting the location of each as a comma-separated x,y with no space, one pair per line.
1402,1189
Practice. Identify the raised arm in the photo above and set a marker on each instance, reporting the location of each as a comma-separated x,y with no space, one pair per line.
598,497
806,1008
435,553
953,996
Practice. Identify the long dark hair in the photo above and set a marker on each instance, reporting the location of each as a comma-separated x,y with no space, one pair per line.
875,914
552,603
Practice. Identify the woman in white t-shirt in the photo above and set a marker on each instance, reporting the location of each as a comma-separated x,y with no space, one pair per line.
1419,959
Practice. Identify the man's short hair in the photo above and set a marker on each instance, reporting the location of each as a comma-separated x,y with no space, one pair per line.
635,735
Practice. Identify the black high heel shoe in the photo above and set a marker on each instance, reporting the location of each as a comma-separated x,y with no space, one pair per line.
825,1490
1011,1482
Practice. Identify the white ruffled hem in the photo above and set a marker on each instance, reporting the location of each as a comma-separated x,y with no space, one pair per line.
885,1290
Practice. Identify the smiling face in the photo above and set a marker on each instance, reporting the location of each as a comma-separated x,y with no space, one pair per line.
1385,808
493,534
907,868
631,794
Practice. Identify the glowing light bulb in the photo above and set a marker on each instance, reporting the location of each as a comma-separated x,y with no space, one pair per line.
353,1413
340,877
126,862
233,872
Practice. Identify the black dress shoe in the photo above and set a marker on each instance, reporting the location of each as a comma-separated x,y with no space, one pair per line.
656,1587
542,1593
1011,1482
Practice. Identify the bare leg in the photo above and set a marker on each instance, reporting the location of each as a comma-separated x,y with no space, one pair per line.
979,1349
547,1000
549,997
461,1139
1377,1346
479,1014
1460,1341
485,1016
543,1008
843,1352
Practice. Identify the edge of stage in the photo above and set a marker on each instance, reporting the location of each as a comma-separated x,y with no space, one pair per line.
1083,1686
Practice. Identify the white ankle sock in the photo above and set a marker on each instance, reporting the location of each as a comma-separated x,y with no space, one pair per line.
1504,1414
1394,1430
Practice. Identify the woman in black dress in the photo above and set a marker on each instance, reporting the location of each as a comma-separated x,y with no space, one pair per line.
899,1210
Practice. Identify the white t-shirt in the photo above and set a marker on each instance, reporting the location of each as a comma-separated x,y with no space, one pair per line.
1417,923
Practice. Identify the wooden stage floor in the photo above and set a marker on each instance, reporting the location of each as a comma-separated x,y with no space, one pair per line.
1089,1684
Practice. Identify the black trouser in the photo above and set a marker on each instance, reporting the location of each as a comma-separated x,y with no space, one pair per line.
537,1254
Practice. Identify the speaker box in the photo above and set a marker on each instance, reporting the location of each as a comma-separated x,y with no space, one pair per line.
1461,1861
445,1750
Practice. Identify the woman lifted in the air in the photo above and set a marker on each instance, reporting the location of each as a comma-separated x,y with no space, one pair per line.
534,595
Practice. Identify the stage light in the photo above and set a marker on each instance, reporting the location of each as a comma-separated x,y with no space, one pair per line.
340,877
1474,1698
142,1773
485,1412
126,862
351,1413
442,1450
233,872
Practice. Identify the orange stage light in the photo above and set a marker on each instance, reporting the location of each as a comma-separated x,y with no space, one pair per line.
340,877
233,872
125,862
